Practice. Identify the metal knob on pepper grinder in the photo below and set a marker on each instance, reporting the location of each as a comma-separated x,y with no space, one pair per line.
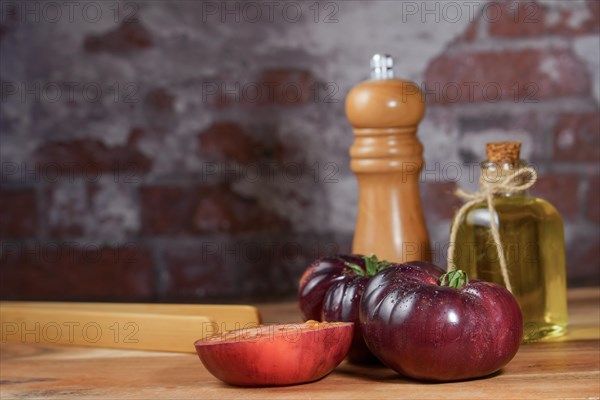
387,159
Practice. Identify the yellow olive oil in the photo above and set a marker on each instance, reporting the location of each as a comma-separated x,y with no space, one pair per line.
532,236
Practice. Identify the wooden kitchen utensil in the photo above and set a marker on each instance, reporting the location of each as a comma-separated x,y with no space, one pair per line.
387,158
167,327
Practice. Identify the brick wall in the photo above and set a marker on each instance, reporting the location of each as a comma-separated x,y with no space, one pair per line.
198,151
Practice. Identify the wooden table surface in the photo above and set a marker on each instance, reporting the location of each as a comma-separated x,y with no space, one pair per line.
564,369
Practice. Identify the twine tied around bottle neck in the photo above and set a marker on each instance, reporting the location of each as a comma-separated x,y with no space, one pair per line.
487,190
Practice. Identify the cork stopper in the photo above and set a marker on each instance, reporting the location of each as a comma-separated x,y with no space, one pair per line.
503,151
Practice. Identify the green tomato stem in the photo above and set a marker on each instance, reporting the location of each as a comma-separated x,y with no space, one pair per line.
455,279
352,267
372,266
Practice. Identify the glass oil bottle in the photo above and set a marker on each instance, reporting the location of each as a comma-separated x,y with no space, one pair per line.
532,236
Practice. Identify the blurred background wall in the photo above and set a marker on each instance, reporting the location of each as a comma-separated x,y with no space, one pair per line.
179,150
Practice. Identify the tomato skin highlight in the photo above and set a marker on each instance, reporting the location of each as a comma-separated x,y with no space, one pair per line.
299,353
438,333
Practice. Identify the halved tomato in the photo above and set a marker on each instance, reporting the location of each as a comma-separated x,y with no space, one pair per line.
276,355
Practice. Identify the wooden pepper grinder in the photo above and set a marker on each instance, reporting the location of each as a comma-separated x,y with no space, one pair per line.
387,159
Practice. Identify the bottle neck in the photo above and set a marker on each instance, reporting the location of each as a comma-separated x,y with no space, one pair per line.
494,172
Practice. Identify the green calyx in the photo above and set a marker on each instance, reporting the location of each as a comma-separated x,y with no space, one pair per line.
454,279
372,266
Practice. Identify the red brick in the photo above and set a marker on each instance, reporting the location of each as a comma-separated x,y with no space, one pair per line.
561,190
131,35
528,18
577,137
200,271
18,213
516,76
176,210
160,100
439,199
89,156
472,31
593,199
135,135
286,87
513,19
227,141
84,271
221,210
167,210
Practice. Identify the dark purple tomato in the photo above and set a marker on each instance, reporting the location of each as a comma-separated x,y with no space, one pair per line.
318,278
435,330
331,289
342,303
